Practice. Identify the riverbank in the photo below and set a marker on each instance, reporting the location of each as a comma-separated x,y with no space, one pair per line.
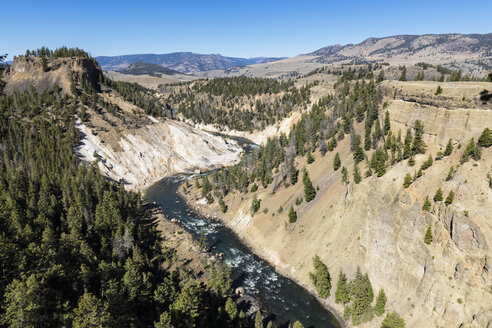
196,203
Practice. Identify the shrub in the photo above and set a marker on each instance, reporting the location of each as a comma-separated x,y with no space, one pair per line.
254,187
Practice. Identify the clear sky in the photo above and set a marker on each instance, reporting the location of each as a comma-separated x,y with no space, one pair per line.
231,28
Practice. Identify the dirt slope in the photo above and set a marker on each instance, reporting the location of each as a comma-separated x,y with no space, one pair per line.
380,226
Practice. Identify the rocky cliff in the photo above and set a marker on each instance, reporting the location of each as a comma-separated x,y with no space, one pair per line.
379,226
28,71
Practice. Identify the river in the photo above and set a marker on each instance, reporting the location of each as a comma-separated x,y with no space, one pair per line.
283,299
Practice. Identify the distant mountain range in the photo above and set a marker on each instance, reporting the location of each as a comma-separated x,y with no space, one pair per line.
458,49
185,62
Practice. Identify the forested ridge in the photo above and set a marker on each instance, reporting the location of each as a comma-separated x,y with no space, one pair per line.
239,103
78,250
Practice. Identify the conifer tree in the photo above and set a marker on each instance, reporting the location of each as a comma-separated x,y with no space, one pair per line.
309,191
408,180
358,151
485,139
367,137
418,146
379,308
407,147
357,176
403,76
380,76
428,235
258,320
292,215
450,198
393,320
297,324
449,148
387,123
320,277
427,204
344,175
438,196
341,294
293,172
336,162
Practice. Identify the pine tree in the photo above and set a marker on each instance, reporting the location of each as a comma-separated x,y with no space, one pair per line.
341,294
449,148
309,191
91,312
393,320
438,90
428,235
258,320
336,162
367,136
387,123
358,151
297,324
418,146
320,277
309,158
450,173
344,175
379,308
485,139
380,76
407,147
403,76
438,196
427,204
293,172
357,176
292,215
231,309
408,180
450,198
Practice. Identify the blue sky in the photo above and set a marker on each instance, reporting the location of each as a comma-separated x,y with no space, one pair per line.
231,28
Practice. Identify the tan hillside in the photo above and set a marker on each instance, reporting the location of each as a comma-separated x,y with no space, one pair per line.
379,226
